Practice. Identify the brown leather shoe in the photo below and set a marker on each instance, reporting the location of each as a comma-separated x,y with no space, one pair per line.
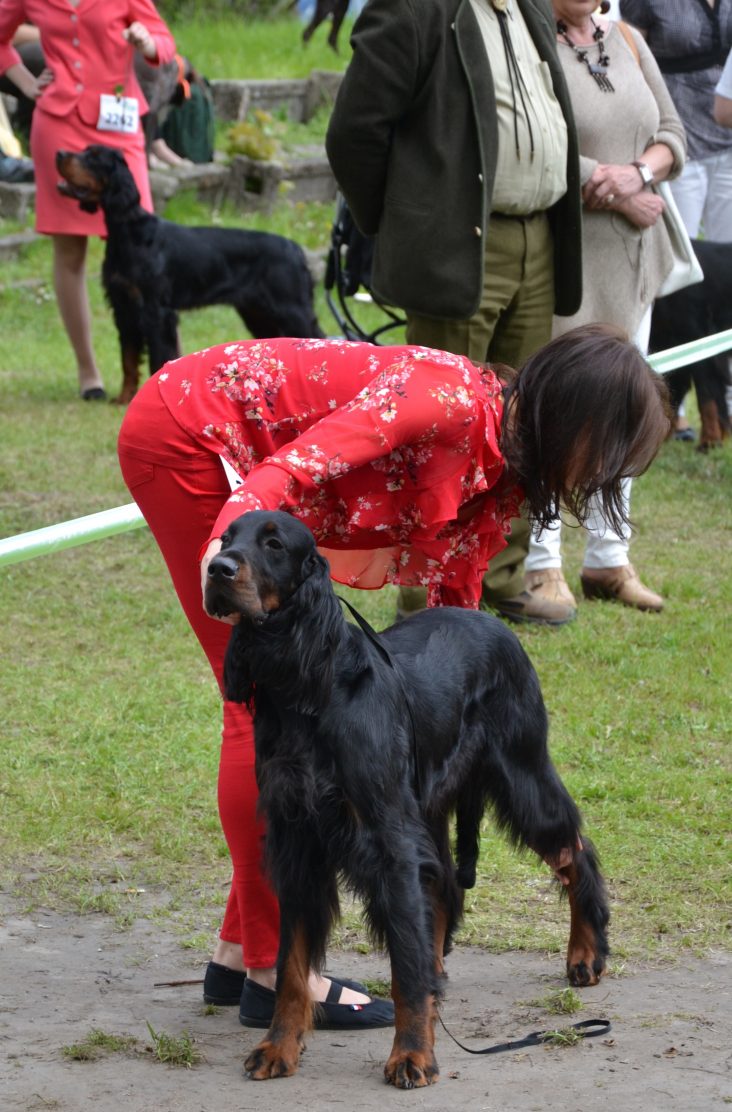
550,584
621,583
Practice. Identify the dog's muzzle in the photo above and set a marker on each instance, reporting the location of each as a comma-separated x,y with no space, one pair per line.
230,589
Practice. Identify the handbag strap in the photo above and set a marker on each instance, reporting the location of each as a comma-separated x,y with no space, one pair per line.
627,34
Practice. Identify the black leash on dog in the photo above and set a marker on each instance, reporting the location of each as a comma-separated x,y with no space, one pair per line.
386,655
585,1029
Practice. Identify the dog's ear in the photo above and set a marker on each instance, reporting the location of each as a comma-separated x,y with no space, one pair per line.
120,191
316,632
238,686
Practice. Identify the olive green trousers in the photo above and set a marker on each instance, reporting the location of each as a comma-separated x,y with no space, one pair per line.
513,321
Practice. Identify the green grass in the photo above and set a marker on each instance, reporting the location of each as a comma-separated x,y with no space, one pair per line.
96,1044
110,725
176,1050
239,48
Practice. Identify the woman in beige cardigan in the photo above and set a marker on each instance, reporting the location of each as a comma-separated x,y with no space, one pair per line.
630,136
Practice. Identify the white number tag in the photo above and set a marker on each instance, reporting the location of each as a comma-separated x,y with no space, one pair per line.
118,114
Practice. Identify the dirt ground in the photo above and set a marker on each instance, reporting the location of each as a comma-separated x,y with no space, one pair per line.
669,1047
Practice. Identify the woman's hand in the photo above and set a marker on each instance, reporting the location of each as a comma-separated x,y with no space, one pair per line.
29,85
137,35
611,184
45,77
213,549
643,210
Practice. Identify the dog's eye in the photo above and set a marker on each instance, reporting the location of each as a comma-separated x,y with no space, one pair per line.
274,544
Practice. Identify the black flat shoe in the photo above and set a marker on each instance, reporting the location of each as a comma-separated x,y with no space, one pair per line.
94,394
223,986
256,1009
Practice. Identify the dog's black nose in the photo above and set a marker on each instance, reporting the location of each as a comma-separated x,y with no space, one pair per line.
222,567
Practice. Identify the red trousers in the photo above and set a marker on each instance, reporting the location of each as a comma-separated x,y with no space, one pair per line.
180,489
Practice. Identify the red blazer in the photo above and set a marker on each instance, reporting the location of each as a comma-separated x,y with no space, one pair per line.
84,48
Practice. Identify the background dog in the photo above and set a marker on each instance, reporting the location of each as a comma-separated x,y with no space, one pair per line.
689,314
153,268
366,746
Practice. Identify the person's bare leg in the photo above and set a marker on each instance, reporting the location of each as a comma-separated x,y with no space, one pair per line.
69,279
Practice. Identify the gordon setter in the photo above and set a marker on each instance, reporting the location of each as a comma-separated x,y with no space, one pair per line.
366,745
690,314
152,268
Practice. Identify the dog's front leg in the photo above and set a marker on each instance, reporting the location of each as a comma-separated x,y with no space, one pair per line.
131,359
128,319
278,1054
161,330
412,1063
408,928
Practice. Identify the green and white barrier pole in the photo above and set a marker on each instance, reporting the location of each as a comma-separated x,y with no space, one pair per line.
95,527
69,534
684,354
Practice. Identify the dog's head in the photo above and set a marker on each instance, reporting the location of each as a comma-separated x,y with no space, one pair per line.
263,560
97,176
271,575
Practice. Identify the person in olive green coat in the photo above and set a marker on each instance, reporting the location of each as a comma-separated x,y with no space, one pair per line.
453,143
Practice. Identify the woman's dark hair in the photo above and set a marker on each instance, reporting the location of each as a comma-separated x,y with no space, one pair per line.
582,413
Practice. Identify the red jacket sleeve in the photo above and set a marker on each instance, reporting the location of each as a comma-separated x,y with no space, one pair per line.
146,13
12,14
387,414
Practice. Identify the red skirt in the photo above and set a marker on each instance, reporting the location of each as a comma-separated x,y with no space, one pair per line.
59,215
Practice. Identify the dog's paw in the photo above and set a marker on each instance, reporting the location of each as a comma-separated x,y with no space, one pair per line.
270,1060
124,398
584,966
411,1069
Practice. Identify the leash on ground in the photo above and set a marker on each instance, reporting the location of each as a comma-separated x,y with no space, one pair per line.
585,1029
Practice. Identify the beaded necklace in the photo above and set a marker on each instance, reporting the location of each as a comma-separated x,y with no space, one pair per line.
598,69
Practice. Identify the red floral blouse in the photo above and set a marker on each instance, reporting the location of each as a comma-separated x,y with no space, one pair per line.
389,454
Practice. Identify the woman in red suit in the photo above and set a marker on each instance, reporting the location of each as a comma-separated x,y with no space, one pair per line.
406,464
88,46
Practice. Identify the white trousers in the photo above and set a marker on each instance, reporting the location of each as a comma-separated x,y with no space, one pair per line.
703,193
605,547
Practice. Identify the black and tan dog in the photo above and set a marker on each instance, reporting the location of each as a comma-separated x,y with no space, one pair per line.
154,268
365,747
690,314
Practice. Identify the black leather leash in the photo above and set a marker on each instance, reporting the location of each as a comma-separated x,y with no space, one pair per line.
386,655
585,1029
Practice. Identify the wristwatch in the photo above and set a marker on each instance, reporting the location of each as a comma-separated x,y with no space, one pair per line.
645,172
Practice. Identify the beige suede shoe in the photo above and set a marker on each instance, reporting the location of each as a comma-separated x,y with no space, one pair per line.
621,583
550,584
545,600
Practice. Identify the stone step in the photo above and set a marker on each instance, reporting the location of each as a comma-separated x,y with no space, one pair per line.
250,184
300,97
209,180
17,200
304,175
12,245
